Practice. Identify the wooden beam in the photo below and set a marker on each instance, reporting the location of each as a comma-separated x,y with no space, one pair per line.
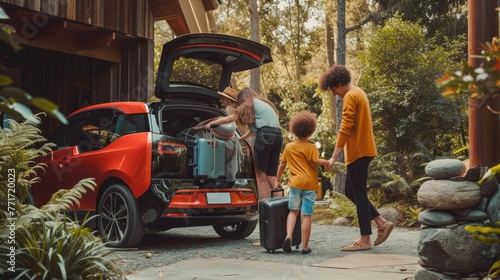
163,9
95,39
178,25
112,53
210,4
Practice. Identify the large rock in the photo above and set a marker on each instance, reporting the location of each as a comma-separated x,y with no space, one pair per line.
455,250
432,217
445,168
493,209
448,194
390,214
424,274
469,215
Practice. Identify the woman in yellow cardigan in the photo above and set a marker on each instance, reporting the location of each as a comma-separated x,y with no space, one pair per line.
355,136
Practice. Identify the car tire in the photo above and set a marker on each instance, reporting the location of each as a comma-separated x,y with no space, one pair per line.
119,222
236,231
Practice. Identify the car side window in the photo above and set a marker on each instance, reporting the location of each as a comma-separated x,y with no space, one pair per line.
95,133
127,124
69,135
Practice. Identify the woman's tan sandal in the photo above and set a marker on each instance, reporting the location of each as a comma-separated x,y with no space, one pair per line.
383,234
354,246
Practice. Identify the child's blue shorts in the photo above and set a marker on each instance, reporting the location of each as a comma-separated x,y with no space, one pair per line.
298,198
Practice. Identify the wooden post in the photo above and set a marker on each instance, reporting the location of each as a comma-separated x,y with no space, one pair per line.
484,126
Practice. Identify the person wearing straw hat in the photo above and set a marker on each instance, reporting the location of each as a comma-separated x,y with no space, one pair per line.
229,97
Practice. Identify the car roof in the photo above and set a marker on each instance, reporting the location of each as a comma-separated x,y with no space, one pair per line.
196,66
127,107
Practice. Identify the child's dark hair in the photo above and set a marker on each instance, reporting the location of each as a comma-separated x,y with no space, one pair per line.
303,124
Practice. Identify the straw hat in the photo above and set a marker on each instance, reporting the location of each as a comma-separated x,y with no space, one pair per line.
229,93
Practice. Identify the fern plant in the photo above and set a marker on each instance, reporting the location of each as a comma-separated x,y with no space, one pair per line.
17,154
61,249
412,215
345,208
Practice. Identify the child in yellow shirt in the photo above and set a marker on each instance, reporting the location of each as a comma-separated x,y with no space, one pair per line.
302,158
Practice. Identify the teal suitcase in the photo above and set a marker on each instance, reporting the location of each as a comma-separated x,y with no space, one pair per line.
209,158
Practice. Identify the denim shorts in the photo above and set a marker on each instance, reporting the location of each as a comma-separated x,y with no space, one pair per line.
267,149
301,200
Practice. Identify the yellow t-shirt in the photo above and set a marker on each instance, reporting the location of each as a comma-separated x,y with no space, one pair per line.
302,159
356,131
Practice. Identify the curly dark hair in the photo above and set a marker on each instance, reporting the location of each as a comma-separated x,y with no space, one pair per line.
303,124
337,75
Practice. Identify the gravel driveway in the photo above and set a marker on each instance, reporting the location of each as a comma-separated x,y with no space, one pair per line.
164,248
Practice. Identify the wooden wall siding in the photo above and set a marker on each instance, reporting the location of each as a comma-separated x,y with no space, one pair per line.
127,16
136,74
62,77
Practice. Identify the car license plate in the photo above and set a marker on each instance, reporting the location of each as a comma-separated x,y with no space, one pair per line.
218,198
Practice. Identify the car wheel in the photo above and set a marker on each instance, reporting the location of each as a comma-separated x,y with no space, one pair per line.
119,222
236,231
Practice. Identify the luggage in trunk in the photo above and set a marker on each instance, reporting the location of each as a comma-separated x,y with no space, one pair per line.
209,158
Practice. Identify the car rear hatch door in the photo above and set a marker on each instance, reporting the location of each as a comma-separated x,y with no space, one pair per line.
195,66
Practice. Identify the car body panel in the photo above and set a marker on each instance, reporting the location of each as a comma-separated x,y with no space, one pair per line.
130,164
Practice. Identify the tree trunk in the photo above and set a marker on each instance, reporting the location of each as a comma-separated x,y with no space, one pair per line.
330,37
330,52
339,185
211,22
254,36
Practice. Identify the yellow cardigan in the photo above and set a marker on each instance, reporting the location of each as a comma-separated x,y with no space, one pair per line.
356,131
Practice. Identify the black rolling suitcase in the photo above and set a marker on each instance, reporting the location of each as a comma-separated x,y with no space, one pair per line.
273,212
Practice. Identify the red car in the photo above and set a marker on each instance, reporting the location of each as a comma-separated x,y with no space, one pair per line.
143,155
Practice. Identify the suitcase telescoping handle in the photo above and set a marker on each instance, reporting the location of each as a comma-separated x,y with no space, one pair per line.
278,190
211,134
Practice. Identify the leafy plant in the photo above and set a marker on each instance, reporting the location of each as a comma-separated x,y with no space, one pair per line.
481,84
61,249
344,207
406,104
398,187
16,154
412,215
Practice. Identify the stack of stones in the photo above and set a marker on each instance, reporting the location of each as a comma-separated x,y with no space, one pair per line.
451,202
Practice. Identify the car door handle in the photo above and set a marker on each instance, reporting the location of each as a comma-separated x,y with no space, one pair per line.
64,162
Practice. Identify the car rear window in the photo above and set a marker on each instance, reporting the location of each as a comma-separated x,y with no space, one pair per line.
195,71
